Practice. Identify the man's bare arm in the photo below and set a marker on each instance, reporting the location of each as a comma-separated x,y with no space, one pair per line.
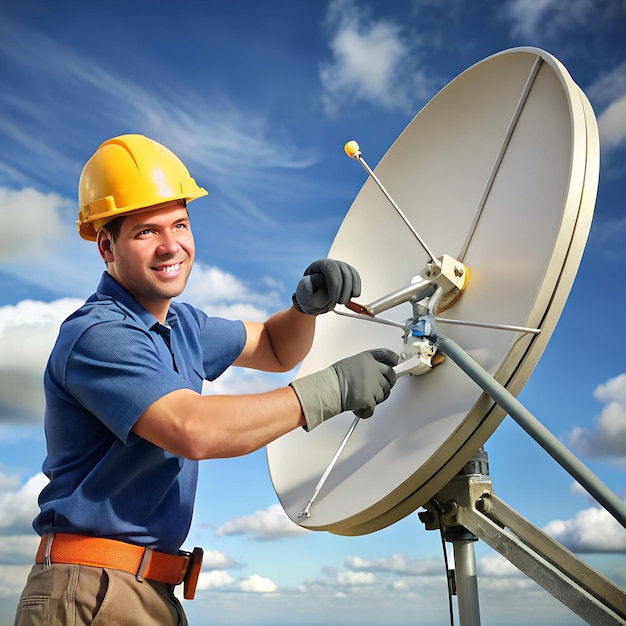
204,427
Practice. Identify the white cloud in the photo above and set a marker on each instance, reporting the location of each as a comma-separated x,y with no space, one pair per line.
237,380
265,525
372,61
608,439
222,294
18,549
40,223
8,482
612,124
578,490
19,507
216,579
12,580
214,560
613,389
47,253
590,530
346,580
256,584
222,581
397,564
355,579
610,86
518,586
551,18
397,573
496,565
28,331
527,14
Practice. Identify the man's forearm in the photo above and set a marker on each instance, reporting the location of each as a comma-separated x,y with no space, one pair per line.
217,426
291,335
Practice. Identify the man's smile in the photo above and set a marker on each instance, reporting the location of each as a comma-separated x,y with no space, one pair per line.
168,268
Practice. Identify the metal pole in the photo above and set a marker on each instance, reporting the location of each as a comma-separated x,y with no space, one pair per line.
466,581
535,429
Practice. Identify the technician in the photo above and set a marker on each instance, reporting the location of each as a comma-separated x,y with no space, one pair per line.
126,422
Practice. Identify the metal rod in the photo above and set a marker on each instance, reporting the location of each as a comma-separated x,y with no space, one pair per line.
417,290
358,156
306,511
369,318
517,329
535,429
496,165
403,325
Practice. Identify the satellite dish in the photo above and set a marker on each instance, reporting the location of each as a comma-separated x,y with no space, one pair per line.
499,171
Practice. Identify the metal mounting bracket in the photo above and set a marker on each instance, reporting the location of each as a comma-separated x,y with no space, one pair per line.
469,502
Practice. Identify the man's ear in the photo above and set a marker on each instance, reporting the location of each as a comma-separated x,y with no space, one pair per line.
104,241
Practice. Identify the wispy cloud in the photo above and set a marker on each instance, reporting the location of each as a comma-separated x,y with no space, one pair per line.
223,142
612,124
372,61
528,17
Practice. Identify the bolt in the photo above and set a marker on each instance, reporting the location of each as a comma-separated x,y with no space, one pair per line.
484,505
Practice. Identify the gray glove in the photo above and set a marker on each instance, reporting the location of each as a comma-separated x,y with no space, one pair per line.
356,384
325,284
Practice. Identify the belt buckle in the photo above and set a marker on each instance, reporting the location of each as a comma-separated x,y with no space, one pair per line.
193,571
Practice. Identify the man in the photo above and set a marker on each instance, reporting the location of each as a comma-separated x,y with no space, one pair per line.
125,419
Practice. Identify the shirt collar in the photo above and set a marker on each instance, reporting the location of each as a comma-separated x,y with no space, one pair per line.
109,287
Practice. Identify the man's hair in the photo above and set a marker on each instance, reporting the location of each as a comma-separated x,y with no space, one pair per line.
115,226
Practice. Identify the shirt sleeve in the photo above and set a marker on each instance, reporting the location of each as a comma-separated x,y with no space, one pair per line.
115,372
221,341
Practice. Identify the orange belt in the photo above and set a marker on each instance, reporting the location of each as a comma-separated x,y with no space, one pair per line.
125,557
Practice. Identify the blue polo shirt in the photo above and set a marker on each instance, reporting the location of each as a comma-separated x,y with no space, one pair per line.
111,361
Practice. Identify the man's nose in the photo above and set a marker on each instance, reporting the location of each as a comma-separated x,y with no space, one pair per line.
168,244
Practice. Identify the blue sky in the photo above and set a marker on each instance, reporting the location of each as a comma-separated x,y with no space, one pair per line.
258,99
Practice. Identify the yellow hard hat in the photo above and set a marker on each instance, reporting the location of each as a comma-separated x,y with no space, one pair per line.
129,173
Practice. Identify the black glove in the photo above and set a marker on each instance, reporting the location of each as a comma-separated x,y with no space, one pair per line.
357,383
325,284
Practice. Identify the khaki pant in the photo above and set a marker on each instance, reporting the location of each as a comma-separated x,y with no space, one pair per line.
78,595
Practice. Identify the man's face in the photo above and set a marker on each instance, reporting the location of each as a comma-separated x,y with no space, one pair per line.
153,254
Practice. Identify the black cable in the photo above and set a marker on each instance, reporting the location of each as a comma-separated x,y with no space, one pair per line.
439,511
